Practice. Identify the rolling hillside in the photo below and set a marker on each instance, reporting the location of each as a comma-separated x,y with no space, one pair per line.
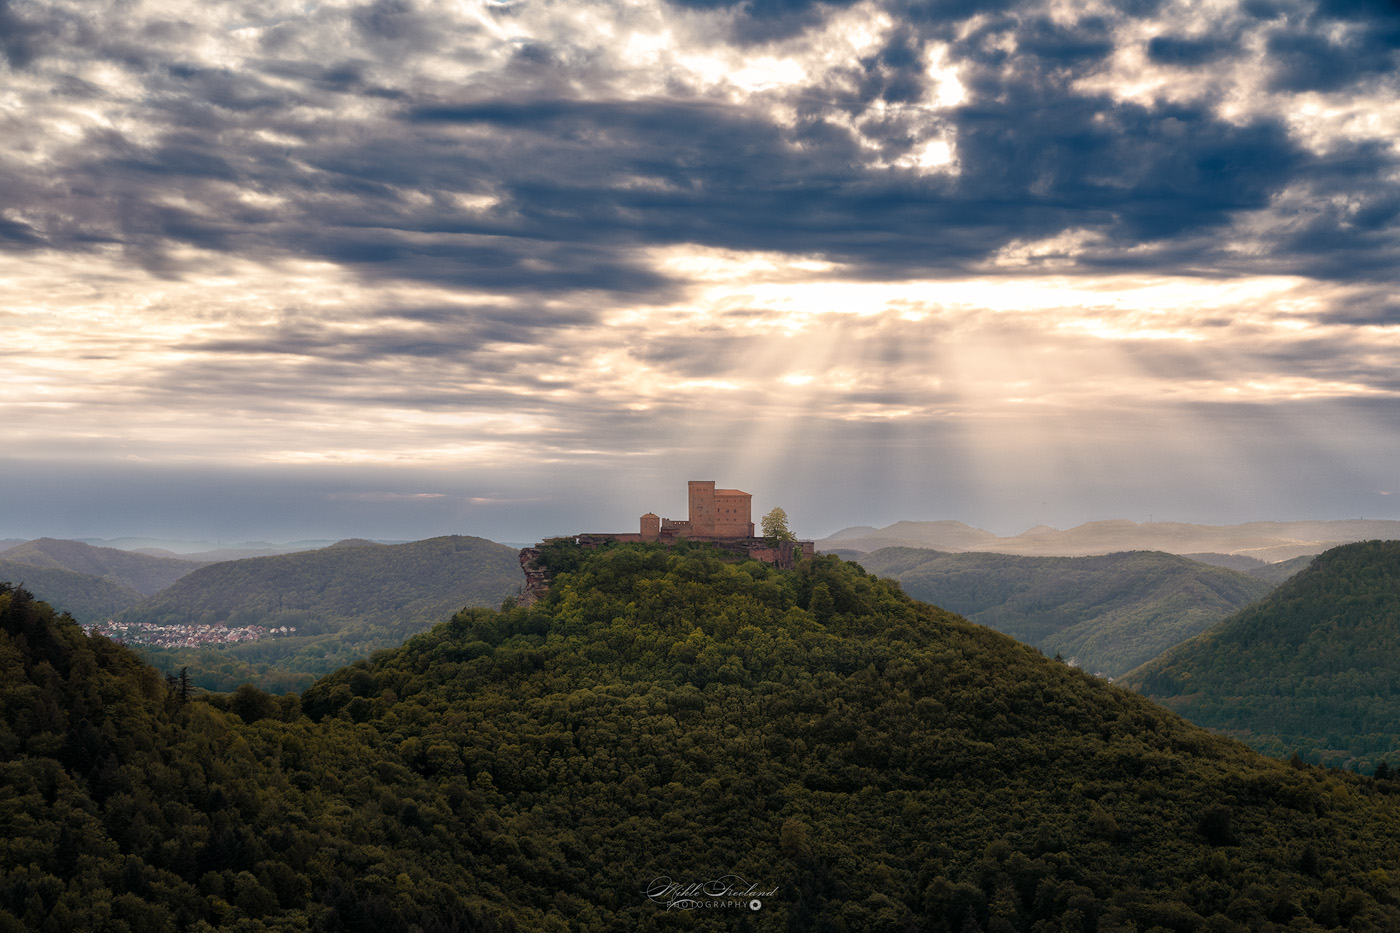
1275,572
89,599
1106,614
667,741
343,601
1268,541
141,572
1313,668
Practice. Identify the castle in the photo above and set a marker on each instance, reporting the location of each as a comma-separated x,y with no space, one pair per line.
722,517
714,513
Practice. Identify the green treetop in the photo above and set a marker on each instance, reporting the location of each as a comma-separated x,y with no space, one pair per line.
775,527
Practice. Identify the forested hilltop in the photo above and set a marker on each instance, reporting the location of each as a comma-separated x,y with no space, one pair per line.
87,598
338,603
1314,668
866,761
1107,613
144,573
92,583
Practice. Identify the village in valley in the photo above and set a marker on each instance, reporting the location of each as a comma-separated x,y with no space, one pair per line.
184,636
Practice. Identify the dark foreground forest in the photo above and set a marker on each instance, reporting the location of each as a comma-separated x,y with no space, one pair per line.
859,760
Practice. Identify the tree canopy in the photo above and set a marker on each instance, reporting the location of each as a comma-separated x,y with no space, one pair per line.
1311,668
873,762
775,526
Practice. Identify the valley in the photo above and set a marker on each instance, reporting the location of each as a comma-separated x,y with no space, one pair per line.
277,621
1106,614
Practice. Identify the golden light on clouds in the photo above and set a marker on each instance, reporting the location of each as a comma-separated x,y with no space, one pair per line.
841,244
841,349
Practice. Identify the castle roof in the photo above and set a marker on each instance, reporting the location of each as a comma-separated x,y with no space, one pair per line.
732,492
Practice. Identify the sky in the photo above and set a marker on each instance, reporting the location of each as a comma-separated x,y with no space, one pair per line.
284,269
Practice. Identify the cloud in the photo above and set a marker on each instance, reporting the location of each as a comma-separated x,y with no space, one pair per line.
1189,51
22,37
758,21
471,234
1311,62
548,165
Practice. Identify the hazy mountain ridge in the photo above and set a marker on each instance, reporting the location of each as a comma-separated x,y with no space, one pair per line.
1312,668
1275,572
1108,613
202,550
219,555
1268,541
143,573
874,762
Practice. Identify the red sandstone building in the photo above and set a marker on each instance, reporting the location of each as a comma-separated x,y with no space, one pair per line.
714,513
722,517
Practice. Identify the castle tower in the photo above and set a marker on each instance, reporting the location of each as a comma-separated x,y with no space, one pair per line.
719,513
651,527
702,506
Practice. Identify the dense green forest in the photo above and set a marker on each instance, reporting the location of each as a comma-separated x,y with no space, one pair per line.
87,598
344,601
1314,668
1107,614
867,762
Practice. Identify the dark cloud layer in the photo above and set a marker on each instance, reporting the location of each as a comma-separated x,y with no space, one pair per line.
1187,51
21,38
1311,62
1036,156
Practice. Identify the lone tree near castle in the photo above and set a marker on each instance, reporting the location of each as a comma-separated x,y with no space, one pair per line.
775,527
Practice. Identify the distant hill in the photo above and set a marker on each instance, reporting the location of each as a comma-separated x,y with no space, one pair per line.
141,572
830,753
1106,614
1241,562
88,599
218,555
1268,541
1275,572
944,535
326,587
206,551
344,601
1314,667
